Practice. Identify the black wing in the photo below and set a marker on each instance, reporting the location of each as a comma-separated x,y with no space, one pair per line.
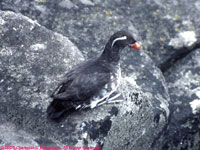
82,82
83,86
69,77
79,84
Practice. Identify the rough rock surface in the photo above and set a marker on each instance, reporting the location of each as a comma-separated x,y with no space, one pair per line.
183,82
139,122
34,58
41,10
163,26
14,136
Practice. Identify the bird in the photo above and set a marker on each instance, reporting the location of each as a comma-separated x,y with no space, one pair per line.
93,82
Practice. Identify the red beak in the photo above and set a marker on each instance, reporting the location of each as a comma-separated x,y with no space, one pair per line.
135,45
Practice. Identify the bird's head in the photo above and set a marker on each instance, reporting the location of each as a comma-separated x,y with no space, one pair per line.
121,39
116,43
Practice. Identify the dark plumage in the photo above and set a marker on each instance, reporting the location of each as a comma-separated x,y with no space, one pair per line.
92,82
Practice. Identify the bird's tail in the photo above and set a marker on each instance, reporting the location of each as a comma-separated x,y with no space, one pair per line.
57,108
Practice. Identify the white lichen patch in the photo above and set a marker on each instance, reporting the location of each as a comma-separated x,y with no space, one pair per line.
198,94
66,4
85,135
163,104
186,39
131,81
87,2
128,106
33,22
195,105
2,22
143,131
168,17
38,46
14,29
6,51
34,104
187,23
83,125
197,5
182,85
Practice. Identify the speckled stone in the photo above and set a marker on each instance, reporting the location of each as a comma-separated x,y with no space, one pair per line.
158,24
34,59
143,115
183,81
15,136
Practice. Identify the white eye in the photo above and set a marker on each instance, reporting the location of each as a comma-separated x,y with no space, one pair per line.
120,38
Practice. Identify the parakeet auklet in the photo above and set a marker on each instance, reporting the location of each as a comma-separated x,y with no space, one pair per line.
93,82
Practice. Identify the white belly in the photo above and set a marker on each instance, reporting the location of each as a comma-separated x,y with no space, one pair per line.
107,92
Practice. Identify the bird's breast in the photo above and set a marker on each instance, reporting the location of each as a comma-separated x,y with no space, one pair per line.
107,92
108,89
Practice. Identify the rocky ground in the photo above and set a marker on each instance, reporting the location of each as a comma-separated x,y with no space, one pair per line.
40,40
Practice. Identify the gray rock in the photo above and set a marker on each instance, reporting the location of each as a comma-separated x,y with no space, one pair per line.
41,10
87,2
168,30
33,59
66,4
164,27
141,118
13,136
184,87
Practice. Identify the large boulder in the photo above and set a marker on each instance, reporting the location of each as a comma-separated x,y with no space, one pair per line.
34,59
41,10
183,81
143,115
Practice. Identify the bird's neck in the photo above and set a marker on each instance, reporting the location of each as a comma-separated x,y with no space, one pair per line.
111,53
